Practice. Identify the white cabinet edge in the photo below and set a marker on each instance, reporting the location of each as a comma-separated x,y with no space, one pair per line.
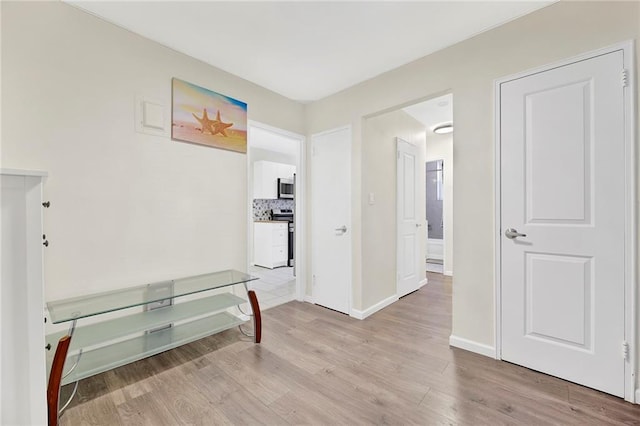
21,172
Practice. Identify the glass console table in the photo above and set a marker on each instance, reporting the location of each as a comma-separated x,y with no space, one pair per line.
84,351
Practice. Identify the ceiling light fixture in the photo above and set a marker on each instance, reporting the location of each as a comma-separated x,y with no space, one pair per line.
443,129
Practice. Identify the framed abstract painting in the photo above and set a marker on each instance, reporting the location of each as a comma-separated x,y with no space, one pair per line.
204,117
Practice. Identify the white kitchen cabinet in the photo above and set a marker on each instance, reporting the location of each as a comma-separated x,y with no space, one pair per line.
265,178
22,351
270,241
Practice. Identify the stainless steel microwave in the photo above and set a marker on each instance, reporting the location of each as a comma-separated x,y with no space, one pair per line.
285,188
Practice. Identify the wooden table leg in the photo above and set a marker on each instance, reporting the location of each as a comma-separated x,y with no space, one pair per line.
257,319
55,378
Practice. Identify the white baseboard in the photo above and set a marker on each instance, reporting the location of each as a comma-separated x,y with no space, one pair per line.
638,396
448,273
373,309
471,346
423,282
308,299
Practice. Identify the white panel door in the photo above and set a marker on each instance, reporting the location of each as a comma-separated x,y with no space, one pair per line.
331,217
409,263
563,183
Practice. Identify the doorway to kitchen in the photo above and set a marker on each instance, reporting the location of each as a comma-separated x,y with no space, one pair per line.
275,217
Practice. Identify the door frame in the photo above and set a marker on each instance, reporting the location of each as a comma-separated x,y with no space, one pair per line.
311,297
300,243
630,286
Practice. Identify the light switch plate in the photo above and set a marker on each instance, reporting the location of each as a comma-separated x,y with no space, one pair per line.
151,116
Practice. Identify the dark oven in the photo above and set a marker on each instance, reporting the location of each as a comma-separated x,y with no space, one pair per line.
286,215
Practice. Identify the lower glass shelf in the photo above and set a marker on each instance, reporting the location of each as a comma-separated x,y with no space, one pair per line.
114,355
97,333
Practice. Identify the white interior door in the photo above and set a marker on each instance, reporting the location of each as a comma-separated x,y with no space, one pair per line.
563,185
409,263
331,217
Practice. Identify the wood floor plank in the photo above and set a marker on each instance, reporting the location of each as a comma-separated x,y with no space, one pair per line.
465,411
308,407
242,408
605,406
316,366
144,410
521,406
295,354
247,370
101,411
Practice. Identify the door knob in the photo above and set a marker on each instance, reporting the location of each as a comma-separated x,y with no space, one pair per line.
343,228
418,225
512,233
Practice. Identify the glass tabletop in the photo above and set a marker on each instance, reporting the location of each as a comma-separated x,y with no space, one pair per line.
99,303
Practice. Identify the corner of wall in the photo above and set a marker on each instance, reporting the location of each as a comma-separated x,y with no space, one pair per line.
472,346
358,314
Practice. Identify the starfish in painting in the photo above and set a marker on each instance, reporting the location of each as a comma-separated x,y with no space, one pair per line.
205,122
219,126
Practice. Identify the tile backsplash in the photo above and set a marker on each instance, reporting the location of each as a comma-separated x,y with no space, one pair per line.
262,207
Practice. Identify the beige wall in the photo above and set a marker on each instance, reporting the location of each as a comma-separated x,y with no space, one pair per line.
469,69
440,147
379,221
126,208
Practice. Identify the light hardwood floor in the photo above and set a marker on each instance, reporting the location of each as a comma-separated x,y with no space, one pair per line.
316,366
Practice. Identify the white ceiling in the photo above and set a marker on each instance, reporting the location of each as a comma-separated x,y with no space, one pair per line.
433,112
308,50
